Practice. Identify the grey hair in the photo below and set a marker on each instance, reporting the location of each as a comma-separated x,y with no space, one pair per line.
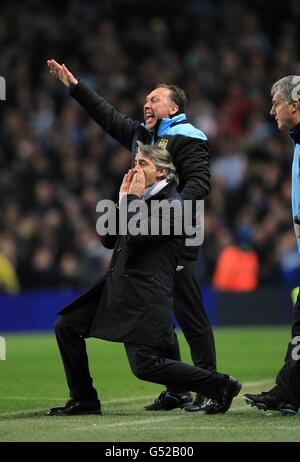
161,158
289,88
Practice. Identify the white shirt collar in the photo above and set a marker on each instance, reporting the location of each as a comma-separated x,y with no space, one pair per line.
155,188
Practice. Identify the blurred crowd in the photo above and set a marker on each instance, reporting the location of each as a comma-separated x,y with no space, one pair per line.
56,163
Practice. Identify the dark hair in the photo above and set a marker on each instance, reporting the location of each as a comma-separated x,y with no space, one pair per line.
177,95
161,157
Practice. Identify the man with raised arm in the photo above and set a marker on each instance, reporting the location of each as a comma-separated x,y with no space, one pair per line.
166,125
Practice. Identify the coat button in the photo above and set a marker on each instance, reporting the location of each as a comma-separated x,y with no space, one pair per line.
118,249
111,269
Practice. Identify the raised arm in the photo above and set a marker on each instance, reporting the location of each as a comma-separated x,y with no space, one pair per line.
121,127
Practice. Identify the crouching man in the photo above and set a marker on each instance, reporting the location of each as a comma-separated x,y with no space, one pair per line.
133,303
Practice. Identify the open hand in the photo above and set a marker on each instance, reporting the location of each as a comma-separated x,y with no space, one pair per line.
138,184
62,73
124,189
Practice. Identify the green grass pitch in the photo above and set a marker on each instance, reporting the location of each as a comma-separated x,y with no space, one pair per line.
32,380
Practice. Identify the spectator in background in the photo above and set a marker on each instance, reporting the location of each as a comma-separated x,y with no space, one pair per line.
237,268
9,282
69,271
41,272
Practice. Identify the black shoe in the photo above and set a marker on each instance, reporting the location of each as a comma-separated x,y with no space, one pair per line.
287,409
168,400
222,402
75,407
201,403
269,402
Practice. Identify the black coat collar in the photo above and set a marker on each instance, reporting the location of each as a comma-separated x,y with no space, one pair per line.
295,133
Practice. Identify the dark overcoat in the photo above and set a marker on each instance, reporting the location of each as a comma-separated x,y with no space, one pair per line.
134,301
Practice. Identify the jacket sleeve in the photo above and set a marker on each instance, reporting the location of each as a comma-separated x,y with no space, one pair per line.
108,239
192,163
122,128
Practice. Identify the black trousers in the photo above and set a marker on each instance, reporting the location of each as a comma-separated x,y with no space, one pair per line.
147,363
192,318
288,378
154,365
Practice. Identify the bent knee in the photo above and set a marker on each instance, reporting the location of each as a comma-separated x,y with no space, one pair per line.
144,368
141,373
61,325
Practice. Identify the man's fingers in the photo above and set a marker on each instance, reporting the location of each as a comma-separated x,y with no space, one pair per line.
131,174
140,174
55,63
62,72
54,67
125,178
65,70
138,178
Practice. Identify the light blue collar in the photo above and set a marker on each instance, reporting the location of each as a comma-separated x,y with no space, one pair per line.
167,122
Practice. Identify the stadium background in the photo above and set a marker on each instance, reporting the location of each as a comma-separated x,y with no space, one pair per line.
56,164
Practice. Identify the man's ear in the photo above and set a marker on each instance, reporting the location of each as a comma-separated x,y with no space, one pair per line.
173,110
161,173
296,106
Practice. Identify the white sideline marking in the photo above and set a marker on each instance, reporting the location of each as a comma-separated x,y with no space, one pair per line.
257,384
262,427
125,423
